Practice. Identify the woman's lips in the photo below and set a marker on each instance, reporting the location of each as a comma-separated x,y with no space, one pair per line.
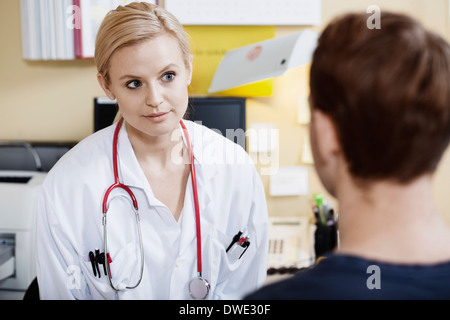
157,117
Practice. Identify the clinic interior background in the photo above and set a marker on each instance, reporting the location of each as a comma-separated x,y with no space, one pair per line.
53,100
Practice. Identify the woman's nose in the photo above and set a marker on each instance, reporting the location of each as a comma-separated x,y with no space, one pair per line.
154,96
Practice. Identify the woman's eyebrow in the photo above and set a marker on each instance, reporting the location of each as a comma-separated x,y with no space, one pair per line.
129,76
168,67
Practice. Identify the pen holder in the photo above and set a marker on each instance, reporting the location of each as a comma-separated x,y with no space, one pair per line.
325,238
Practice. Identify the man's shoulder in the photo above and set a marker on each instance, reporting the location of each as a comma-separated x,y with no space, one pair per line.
353,278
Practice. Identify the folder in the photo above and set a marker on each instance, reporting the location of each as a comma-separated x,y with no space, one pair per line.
263,60
209,46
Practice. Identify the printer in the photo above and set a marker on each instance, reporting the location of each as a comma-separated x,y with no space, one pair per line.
23,168
18,193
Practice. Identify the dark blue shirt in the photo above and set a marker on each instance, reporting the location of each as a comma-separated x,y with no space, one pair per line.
350,277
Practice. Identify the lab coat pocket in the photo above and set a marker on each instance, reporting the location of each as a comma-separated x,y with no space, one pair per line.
98,284
124,269
231,260
125,266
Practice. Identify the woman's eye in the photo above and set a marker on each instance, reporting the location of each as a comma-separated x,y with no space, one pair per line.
134,84
169,77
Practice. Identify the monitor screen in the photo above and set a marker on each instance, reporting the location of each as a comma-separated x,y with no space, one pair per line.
105,111
220,114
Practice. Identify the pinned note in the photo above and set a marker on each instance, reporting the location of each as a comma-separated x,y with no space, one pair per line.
307,157
289,181
304,114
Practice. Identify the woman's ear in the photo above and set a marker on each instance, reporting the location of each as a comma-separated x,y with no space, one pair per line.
189,72
106,87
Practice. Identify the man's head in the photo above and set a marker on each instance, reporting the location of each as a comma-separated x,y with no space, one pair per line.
385,95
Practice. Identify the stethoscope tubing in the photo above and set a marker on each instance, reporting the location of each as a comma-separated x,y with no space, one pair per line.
196,205
141,250
118,184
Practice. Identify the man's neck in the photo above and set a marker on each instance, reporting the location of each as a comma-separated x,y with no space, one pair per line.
392,222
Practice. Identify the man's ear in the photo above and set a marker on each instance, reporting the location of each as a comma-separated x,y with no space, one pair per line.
327,142
106,87
325,148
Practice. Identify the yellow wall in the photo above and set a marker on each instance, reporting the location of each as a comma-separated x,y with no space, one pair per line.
52,101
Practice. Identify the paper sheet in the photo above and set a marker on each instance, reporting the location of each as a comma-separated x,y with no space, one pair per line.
263,60
289,181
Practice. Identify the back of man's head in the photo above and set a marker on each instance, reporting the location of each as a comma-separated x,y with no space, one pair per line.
388,93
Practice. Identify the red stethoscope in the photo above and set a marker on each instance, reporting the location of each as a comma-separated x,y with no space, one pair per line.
198,286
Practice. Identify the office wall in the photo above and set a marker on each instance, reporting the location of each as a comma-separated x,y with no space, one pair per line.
53,100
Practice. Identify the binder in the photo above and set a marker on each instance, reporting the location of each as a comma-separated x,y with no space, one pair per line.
45,32
77,33
49,32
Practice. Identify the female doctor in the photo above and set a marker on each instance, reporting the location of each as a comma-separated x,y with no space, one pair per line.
127,214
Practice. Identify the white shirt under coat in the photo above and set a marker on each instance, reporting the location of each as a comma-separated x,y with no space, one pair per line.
69,223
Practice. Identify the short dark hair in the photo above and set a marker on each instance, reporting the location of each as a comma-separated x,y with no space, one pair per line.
388,93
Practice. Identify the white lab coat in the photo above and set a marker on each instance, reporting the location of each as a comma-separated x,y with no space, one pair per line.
69,223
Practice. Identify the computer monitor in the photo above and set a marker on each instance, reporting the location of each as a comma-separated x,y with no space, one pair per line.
219,114
105,111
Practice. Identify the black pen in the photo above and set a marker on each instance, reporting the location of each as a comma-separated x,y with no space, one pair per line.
235,239
92,260
97,253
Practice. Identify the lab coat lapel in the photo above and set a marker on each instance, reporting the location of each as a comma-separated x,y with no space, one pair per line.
130,172
205,174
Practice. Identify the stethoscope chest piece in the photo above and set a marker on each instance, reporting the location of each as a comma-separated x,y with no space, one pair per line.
199,288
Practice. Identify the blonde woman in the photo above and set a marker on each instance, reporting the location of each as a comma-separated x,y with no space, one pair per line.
152,207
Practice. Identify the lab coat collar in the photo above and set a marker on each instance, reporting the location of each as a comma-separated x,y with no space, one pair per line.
200,144
131,174
130,171
205,173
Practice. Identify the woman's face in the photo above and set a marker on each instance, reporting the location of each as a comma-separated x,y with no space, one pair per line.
150,81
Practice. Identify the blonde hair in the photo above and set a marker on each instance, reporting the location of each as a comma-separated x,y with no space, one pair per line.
133,24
